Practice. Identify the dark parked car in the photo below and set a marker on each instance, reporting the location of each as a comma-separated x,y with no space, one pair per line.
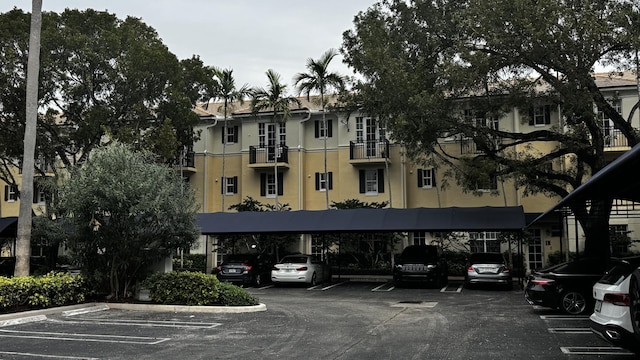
488,268
245,269
421,263
567,286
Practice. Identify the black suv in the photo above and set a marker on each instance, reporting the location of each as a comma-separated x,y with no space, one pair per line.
421,263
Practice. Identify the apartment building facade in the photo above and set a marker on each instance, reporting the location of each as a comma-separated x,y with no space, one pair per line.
283,163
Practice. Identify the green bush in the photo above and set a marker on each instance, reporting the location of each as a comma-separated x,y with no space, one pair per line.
190,262
182,288
231,295
195,288
52,289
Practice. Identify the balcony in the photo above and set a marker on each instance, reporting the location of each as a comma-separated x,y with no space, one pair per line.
468,146
265,156
186,162
369,152
614,140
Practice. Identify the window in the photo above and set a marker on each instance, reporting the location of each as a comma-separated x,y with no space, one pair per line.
372,181
609,130
321,132
359,130
317,248
268,185
540,115
230,185
39,196
426,178
10,193
419,238
482,242
231,135
487,183
619,239
535,250
321,182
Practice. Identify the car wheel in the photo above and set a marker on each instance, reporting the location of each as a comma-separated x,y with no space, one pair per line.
573,303
314,281
634,300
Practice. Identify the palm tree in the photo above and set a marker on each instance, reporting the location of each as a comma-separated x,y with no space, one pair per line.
320,79
226,90
23,241
274,98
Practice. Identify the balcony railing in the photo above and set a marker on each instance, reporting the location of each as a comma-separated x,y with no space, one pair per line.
369,149
469,146
187,160
267,154
614,138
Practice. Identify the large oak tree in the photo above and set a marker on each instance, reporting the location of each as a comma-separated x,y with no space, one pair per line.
419,58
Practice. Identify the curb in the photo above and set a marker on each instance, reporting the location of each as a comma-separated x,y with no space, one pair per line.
41,314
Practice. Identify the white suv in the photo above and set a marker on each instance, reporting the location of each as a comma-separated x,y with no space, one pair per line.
617,310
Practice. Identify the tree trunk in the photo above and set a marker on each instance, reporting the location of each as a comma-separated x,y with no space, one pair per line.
23,242
595,224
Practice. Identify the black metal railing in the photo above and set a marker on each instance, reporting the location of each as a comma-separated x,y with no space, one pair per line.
614,138
369,149
268,154
469,146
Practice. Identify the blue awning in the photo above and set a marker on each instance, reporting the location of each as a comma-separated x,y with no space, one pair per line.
8,227
364,220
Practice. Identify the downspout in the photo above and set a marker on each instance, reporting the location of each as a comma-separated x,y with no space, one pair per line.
300,147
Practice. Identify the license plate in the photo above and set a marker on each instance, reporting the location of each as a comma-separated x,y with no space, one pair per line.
232,271
598,306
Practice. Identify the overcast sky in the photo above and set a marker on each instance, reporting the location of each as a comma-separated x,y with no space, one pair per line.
248,36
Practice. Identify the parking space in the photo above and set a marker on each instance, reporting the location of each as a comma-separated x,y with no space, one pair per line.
338,320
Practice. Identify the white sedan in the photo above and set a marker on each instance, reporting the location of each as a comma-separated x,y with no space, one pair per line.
616,317
300,269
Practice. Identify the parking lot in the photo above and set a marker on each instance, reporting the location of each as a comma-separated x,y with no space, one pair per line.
341,320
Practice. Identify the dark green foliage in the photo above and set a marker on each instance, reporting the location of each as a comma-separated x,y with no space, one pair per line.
190,262
53,289
183,288
195,288
424,62
128,213
231,295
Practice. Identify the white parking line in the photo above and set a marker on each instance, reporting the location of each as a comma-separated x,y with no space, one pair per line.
459,289
570,330
564,317
32,355
139,340
596,350
383,285
22,320
146,323
323,288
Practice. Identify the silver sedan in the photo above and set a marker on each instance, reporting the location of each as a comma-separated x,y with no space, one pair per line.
300,269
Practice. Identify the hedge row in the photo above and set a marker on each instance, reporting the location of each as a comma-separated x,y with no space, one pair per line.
195,288
38,292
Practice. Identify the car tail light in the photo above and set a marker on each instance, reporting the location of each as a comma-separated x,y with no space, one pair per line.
218,268
471,269
542,282
617,299
275,268
247,267
303,268
505,269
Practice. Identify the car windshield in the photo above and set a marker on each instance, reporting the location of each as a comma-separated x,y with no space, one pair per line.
239,258
420,252
487,258
294,260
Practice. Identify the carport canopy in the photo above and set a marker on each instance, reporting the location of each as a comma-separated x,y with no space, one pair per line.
364,220
617,180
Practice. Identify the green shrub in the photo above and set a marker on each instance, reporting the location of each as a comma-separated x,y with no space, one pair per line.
190,262
183,288
52,289
231,295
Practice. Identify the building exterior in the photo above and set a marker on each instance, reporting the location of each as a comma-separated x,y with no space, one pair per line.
250,155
